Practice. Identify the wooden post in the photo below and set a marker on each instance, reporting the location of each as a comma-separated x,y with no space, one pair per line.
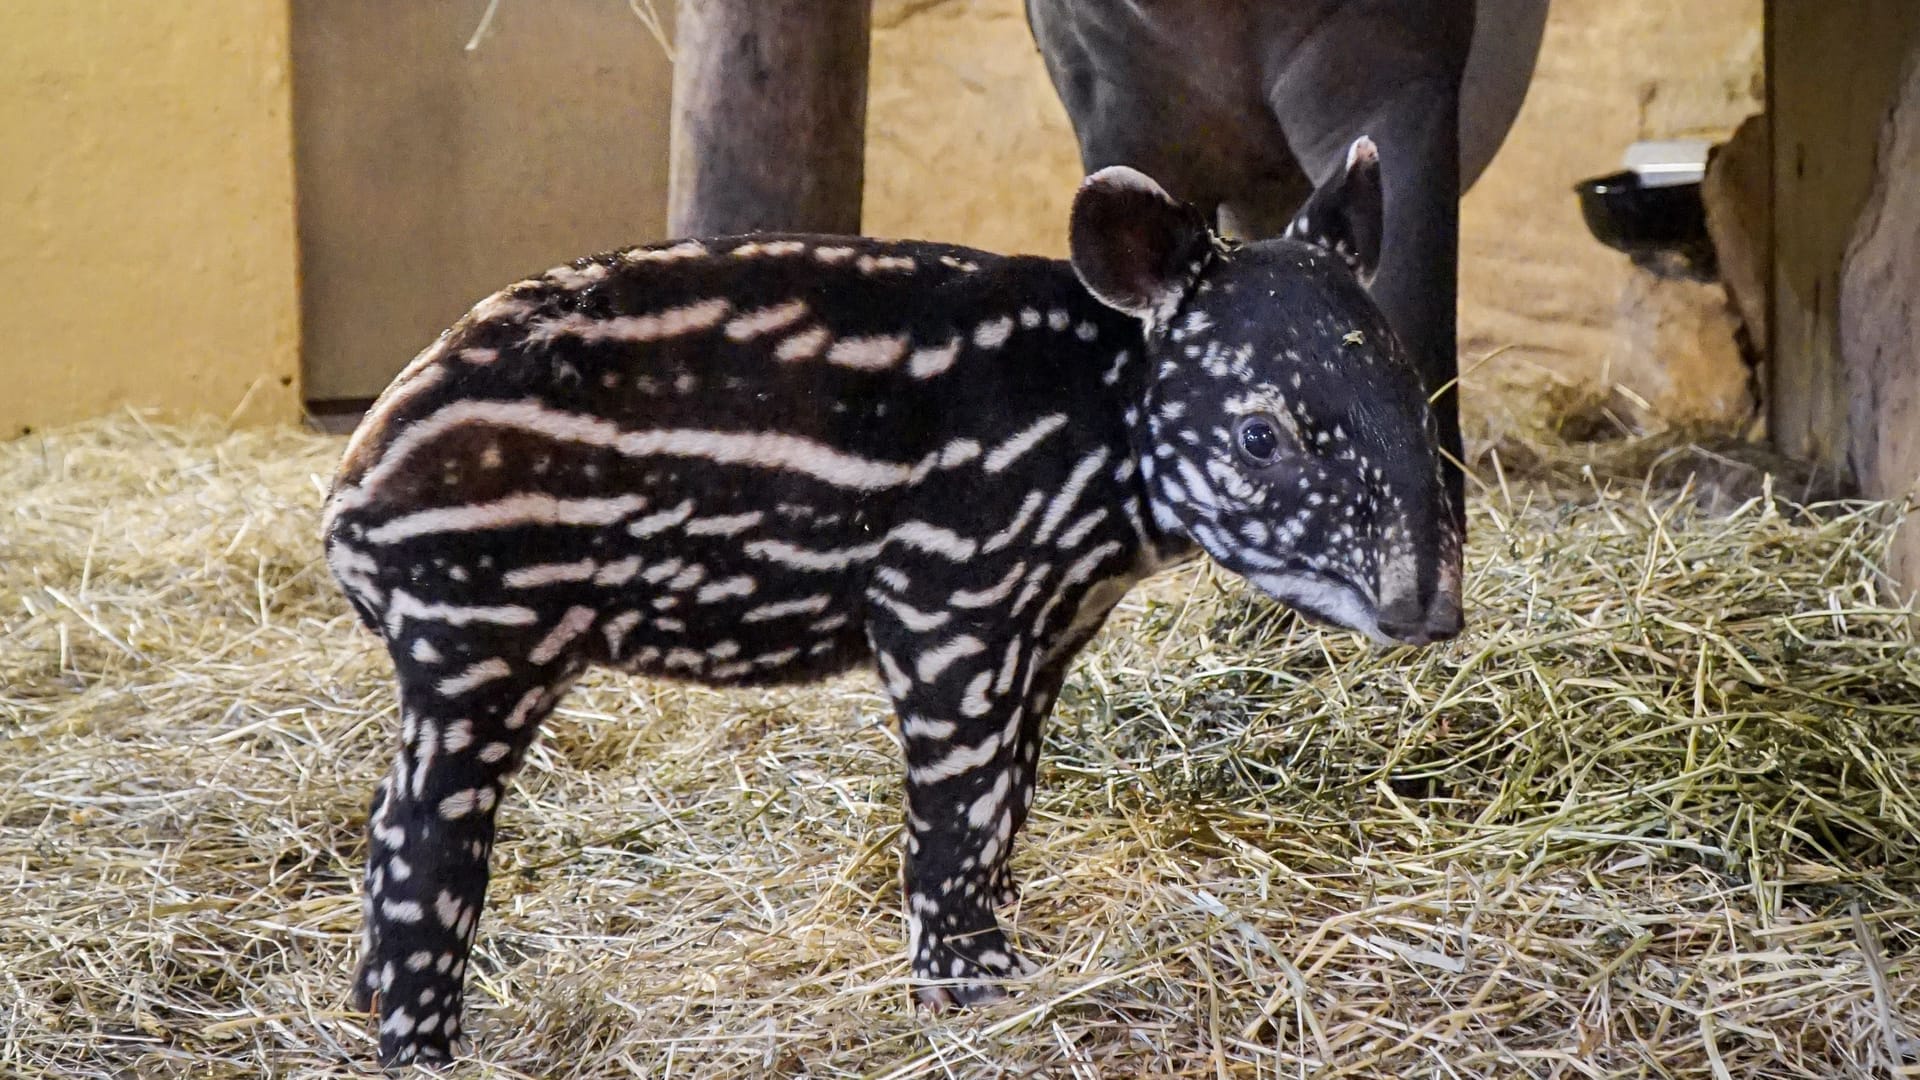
769,116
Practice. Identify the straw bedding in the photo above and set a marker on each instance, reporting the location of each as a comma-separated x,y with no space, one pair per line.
1654,815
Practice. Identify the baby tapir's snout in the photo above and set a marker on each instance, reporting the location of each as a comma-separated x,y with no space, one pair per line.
1419,591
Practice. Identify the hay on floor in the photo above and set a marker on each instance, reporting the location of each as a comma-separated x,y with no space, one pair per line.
1655,814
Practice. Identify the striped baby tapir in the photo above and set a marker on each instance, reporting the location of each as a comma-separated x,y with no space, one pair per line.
772,458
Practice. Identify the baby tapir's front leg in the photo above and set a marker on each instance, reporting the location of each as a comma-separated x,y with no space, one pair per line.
1047,680
972,686
470,704
963,763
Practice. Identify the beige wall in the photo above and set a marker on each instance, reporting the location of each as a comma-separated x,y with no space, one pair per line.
150,242
147,237
967,142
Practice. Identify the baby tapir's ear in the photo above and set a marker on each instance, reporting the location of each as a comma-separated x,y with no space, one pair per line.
1133,245
1343,215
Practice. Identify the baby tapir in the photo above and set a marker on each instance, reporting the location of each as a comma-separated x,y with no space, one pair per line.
771,458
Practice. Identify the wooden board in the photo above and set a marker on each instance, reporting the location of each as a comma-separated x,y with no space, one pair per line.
1831,73
1879,316
429,176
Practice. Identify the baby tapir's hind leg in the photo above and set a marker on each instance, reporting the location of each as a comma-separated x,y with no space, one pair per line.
471,697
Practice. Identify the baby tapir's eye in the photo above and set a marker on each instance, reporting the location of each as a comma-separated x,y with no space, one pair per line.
1258,440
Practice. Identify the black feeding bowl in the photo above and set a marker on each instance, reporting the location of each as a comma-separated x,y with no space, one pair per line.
1626,213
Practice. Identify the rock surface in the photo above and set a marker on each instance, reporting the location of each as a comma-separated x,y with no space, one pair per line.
1738,195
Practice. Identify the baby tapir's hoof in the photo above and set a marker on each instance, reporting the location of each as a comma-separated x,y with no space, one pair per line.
966,972
420,1035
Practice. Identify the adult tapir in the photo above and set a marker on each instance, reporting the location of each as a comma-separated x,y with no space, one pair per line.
1241,106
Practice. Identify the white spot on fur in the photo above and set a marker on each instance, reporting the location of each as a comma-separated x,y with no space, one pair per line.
987,806
574,623
804,345
654,524
993,333
406,911
771,450
928,362
457,736
1069,494
616,629
1022,441
785,554
472,678
934,661
934,540
912,618
529,508
732,588
618,573
876,353
991,595
920,727
686,249
724,525
633,329
811,605
541,574
1014,528
765,320
406,606
957,761
523,709
577,277
879,264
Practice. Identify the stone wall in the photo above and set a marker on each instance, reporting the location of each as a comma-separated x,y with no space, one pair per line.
967,142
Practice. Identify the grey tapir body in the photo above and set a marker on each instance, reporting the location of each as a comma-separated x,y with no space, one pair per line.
1239,106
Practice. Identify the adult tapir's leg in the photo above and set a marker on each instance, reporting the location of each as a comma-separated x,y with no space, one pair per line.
1391,69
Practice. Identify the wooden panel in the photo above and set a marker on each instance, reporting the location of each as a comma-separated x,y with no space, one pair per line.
428,175
1831,72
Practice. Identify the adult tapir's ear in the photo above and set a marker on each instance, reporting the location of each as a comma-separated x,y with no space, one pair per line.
1133,245
1343,215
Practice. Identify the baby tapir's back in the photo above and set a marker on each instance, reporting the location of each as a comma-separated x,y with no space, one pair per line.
685,459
